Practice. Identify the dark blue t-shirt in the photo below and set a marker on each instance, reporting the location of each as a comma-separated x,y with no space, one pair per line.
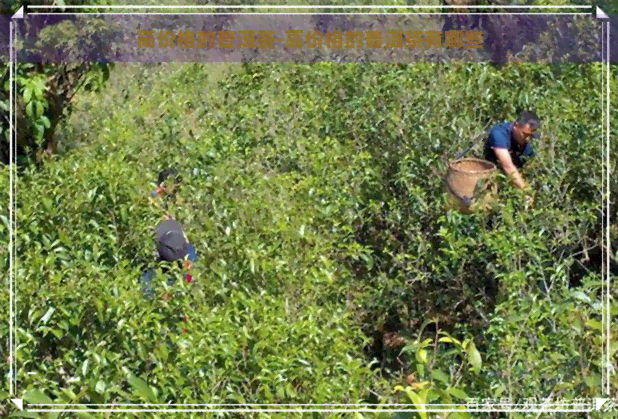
500,137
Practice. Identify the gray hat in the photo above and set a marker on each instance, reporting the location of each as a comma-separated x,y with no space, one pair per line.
171,242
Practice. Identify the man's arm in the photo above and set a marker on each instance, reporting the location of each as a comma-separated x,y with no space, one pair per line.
504,158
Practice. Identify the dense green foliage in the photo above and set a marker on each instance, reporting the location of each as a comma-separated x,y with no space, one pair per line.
321,226
44,92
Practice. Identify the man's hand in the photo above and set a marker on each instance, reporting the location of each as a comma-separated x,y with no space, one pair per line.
504,158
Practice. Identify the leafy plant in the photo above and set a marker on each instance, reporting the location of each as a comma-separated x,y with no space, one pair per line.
313,194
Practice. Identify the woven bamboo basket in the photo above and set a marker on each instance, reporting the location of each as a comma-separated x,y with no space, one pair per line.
462,179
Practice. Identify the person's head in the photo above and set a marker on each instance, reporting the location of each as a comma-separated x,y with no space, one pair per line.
168,181
171,242
525,127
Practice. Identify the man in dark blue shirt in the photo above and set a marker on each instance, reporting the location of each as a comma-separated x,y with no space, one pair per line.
509,145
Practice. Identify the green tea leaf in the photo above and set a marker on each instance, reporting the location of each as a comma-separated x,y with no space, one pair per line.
45,121
449,340
47,315
474,356
85,367
27,94
24,415
37,397
440,376
419,403
141,388
460,394
100,387
594,324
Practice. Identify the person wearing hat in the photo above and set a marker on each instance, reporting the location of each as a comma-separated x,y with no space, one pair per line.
172,246
172,242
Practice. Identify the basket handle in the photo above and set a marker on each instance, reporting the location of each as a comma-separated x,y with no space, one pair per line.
474,142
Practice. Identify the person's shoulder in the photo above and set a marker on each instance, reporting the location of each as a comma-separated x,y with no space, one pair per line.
499,135
502,126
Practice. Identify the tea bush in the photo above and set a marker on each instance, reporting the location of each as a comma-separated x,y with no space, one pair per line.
44,93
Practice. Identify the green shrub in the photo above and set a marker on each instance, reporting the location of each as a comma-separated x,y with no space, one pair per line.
314,198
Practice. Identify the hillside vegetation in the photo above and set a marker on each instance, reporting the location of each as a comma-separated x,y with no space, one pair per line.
331,270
